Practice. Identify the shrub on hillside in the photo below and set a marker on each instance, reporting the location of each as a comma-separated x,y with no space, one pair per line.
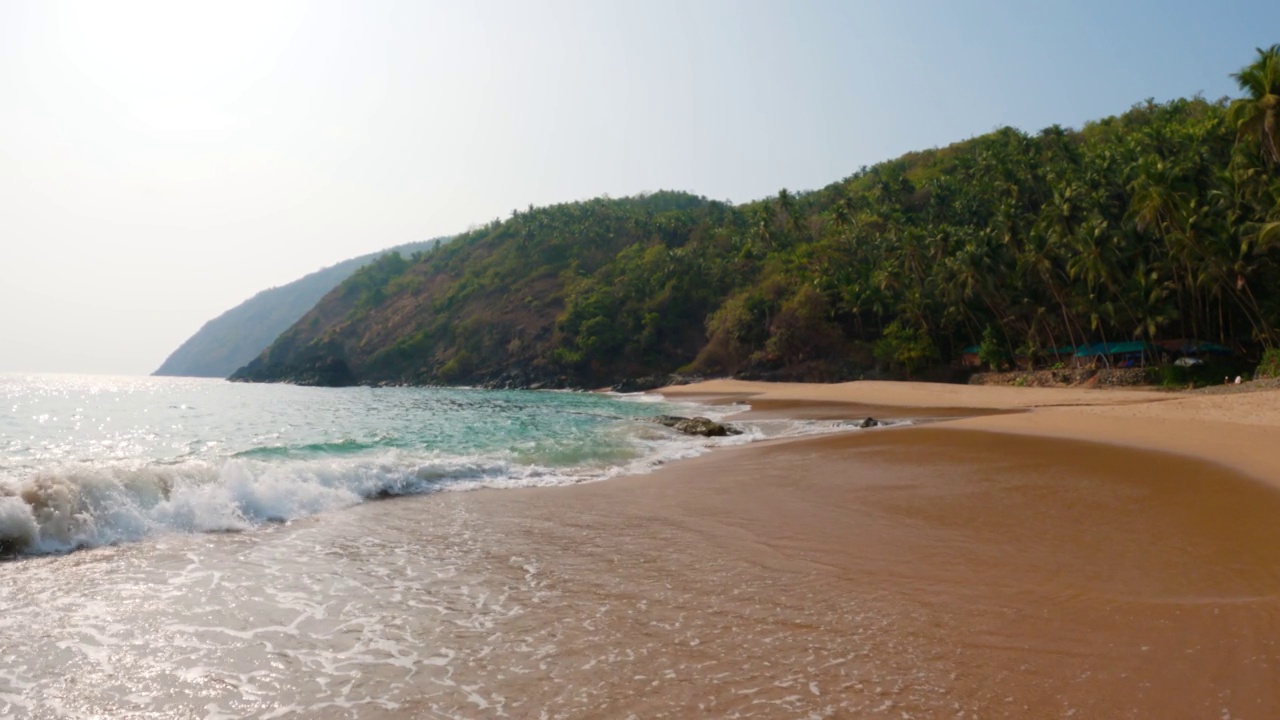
1270,365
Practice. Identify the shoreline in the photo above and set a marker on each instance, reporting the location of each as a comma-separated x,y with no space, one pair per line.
1233,430
926,571
1031,553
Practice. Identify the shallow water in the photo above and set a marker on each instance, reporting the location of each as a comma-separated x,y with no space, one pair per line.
440,607
194,548
91,461
347,612
919,574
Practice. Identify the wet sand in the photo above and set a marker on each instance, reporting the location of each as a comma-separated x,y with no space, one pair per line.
920,572
988,567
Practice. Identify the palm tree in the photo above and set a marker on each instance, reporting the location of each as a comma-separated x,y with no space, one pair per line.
1258,115
1145,299
1096,262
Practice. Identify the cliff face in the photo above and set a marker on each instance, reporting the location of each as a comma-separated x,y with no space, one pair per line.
237,336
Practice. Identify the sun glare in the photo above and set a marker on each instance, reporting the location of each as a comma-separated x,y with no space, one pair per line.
180,70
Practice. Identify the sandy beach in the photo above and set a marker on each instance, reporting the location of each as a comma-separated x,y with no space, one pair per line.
1059,554
1235,430
1011,553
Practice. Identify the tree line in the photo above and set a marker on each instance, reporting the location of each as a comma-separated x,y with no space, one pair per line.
1161,222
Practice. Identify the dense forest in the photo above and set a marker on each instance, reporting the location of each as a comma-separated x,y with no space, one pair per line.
1162,222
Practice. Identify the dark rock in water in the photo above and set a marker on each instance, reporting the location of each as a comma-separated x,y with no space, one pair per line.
709,428
870,423
696,426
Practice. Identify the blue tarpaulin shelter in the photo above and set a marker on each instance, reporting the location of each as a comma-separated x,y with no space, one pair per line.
1131,347
1210,348
1192,346
1135,349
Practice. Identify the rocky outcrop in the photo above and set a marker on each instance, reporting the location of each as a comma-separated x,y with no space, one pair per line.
652,382
525,379
631,385
326,373
316,372
696,426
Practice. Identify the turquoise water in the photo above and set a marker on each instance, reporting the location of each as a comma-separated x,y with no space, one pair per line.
259,551
88,461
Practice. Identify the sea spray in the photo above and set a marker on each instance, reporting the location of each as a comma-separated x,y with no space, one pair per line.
87,462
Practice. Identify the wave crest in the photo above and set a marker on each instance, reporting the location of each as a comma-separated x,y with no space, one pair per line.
87,505
71,506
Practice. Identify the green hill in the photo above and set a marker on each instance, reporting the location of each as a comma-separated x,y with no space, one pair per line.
1161,222
241,333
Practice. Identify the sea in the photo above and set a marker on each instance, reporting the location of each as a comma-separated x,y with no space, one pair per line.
176,547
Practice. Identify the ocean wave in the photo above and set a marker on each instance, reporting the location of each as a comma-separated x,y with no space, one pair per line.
63,507
73,506
76,506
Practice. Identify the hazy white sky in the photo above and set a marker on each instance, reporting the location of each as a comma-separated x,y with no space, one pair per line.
162,161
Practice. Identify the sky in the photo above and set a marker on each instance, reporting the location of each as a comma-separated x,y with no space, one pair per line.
160,162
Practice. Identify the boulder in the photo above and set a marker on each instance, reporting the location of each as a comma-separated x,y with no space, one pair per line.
696,426
870,423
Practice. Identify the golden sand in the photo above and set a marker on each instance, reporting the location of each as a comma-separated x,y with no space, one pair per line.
1239,431
1008,565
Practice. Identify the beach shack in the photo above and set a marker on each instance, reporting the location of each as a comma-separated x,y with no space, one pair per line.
1064,355
1132,353
1203,349
1194,351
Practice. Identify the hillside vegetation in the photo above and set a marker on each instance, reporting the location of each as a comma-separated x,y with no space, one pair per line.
1161,222
240,334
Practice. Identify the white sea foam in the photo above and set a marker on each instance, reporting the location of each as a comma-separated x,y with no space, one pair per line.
84,505
641,397
60,506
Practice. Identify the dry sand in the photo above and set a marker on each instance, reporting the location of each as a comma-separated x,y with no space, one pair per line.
915,394
1238,431
1008,565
